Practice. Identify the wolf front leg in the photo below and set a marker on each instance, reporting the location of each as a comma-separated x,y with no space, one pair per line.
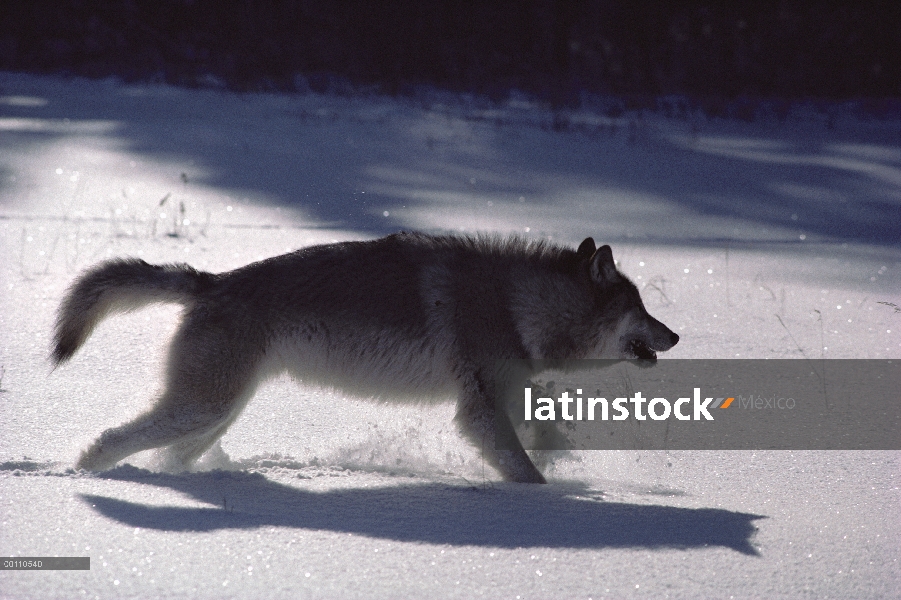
480,423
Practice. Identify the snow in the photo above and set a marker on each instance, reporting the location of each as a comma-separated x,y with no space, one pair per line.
754,240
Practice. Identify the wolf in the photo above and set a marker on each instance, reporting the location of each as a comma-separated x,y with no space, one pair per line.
409,316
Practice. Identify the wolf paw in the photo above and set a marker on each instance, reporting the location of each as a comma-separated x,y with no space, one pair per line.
92,459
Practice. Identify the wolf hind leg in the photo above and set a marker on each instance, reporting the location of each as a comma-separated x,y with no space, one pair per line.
149,430
182,455
478,422
207,387
189,431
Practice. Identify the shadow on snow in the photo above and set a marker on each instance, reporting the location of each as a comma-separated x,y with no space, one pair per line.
505,516
345,163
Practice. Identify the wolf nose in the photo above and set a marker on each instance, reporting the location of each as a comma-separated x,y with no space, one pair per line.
673,338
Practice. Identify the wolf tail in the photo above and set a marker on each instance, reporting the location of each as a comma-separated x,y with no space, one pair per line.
120,285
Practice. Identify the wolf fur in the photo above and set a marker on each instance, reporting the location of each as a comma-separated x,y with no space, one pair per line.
409,316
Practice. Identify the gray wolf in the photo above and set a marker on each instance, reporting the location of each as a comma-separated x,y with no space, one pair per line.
409,316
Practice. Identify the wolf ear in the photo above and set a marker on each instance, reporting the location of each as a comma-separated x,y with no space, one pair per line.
601,266
586,249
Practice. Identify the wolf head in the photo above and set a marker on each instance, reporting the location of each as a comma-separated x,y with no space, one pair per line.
624,329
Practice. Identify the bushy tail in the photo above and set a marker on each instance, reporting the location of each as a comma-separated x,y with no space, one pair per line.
120,285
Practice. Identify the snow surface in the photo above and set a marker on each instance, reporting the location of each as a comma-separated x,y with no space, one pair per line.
755,240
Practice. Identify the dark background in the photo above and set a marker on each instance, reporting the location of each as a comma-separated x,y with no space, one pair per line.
553,49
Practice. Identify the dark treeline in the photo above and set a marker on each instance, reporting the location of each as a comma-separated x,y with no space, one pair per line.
551,48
